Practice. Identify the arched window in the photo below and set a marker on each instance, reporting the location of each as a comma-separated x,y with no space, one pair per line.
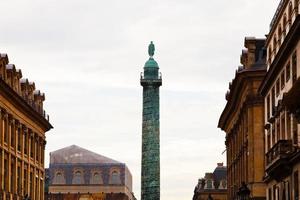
77,178
115,178
59,178
96,178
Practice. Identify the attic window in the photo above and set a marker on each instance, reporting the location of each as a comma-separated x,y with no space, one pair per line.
115,178
77,178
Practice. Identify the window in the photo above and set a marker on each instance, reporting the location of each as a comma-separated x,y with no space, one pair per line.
26,142
31,146
288,72
209,184
284,25
275,44
294,67
270,54
96,178
25,178
77,178
59,178
268,107
290,12
115,178
277,87
12,176
296,185
19,135
282,81
295,131
279,34
12,134
283,126
5,129
6,172
273,133
19,184
268,140
288,126
278,129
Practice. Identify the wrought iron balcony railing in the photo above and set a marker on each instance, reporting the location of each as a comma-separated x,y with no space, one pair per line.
282,149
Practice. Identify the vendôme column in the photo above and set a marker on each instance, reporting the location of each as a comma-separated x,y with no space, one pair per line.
151,81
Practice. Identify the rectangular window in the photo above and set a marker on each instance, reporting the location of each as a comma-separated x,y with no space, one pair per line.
283,126
282,81
296,185
31,146
26,142
288,72
19,184
12,176
12,135
36,150
25,179
273,101
6,172
268,107
273,133
295,131
294,67
31,183
270,194
277,87
269,141
5,124
278,129
19,135
288,126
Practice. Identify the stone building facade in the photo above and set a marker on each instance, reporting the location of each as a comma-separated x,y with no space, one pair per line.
76,173
23,124
242,120
281,92
213,185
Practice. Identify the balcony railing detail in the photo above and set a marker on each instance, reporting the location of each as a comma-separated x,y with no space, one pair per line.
282,149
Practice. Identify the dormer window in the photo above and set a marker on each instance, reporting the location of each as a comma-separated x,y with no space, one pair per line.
77,178
115,178
59,178
96,178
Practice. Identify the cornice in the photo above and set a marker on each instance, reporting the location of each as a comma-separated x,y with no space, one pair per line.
284,52
23,106
238,84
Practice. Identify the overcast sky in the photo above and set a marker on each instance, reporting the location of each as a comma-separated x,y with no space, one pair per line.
87,55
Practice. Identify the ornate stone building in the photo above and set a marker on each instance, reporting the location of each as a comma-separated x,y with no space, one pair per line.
213,185
281,92
78,174
242,120
23,124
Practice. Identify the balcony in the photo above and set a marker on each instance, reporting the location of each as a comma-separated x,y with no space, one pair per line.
277,159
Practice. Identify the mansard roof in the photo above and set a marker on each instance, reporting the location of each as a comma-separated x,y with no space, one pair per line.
76,155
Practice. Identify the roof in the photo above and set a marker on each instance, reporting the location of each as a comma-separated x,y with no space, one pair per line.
74,154
220,173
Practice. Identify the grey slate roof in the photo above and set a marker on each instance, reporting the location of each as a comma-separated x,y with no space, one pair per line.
75,155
